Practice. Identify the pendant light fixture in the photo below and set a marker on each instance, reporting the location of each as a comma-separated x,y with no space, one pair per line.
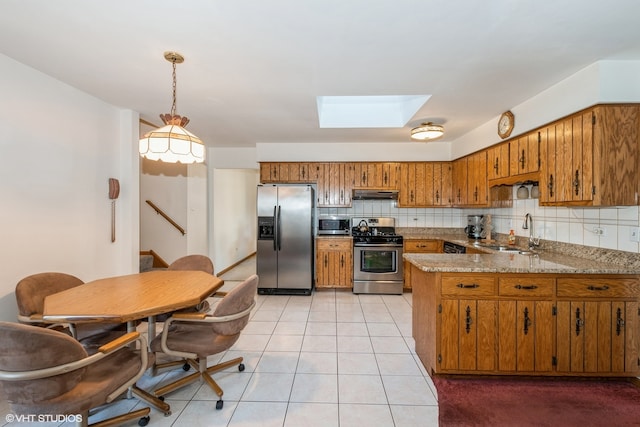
427,132
172,143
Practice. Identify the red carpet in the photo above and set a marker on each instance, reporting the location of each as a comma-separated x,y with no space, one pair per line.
537,402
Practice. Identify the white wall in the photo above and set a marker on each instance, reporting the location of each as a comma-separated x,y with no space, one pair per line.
165,185
234,215
59,147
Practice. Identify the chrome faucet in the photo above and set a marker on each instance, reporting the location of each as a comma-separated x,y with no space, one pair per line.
528,224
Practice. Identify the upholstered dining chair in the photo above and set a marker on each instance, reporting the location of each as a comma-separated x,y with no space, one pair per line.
193,262
30,294
195,336
44,371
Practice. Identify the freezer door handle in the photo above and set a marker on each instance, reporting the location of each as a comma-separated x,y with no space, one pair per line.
275,231
278,232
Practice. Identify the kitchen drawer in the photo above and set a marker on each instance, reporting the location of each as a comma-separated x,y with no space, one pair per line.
334,244
526,286
418,246
466,286
605,287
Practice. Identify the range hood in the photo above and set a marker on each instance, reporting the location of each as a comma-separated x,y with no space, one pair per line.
369,194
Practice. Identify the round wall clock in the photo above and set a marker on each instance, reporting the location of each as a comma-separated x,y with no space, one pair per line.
505,124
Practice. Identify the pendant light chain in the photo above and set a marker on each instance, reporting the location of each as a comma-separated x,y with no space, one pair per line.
173,106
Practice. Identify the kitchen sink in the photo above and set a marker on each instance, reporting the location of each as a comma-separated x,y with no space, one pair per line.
504,248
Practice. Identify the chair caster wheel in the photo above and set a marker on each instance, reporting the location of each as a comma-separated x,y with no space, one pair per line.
143,421
161,398
241,367
186,367
219,404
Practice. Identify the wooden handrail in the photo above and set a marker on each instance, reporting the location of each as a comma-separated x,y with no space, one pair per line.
165,216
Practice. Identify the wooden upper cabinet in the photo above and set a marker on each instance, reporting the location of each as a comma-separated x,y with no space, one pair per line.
498,161
459,182
442,174
470,186
380,175
524,154
616,155
477,187
334,184
591,158
286,172
300,172
269,172
425,184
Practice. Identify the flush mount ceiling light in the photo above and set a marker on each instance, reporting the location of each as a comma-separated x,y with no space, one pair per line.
427,132
172,143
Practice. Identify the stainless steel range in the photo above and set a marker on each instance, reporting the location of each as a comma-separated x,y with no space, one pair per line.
377,256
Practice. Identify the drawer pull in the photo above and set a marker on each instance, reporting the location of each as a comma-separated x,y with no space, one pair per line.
471,286
526,287
598,288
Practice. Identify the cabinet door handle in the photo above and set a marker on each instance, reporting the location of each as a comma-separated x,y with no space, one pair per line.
579,322
364,177
576,182
303,172
527,320
526,287
471,286
522,160
411,196
437,196
598,288
385,179
551,185
468,320
496,166
475,194
619,321
326,260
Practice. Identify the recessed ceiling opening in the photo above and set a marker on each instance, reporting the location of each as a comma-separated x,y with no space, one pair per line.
386,111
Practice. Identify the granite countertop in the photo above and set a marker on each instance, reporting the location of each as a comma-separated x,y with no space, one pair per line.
552,257
513,263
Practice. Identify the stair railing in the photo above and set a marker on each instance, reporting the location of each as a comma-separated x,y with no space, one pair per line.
165,216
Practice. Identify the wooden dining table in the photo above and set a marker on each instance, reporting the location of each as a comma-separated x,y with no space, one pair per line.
130,298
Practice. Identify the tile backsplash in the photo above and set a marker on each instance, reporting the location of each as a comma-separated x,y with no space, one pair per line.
608,228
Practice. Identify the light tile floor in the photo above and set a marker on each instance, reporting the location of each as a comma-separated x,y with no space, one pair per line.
329,359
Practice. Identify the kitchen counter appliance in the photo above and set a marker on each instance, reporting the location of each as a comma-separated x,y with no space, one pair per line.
475,226
286,217
377,256
334,225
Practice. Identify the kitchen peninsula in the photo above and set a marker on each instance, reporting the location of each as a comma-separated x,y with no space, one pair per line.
511,314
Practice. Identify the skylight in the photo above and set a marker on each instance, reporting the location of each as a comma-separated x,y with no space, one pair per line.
386,111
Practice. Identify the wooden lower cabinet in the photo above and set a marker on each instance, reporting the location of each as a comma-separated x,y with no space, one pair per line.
334,263
526,324
598,328
418,246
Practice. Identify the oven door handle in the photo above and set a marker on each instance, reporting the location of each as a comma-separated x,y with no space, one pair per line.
377,245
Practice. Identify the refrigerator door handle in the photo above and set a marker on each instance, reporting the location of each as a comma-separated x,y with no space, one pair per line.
278,232
275,231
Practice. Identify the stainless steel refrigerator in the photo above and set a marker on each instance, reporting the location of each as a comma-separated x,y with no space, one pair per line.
286,215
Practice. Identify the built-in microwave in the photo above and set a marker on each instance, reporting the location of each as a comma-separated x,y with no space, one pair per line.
334,225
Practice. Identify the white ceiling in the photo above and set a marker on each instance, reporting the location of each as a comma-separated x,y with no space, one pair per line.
253,68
